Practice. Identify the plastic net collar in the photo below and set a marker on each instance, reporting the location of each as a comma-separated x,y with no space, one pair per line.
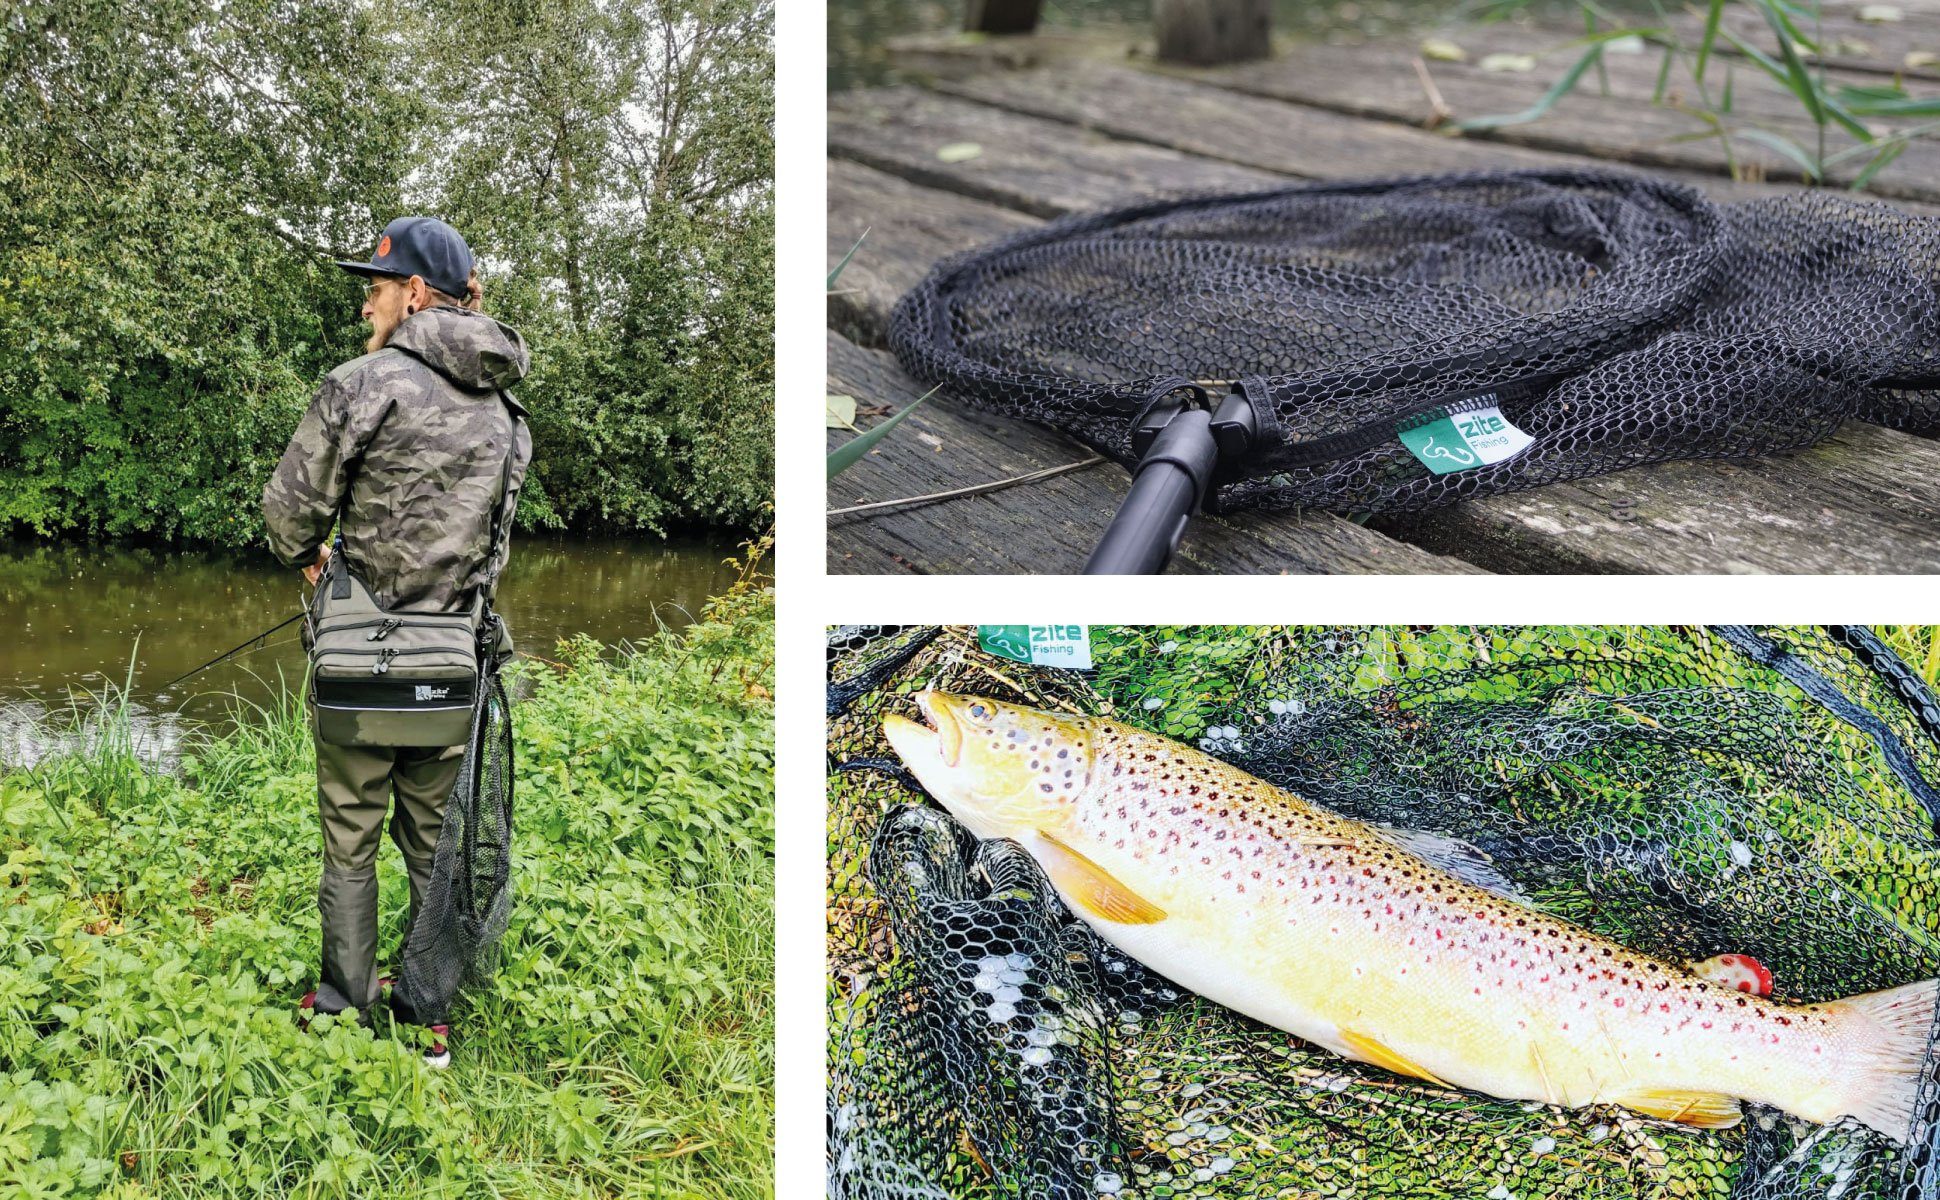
1687,792
1615,319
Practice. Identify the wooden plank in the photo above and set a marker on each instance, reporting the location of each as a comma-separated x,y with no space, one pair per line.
1837,509
1849,44
1041,167
908,228
1216,123
1047,526
1209,122
1879,491
1205,32
1632,76
1846,41
1380,81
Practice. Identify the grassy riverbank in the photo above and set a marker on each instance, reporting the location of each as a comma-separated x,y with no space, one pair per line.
156,931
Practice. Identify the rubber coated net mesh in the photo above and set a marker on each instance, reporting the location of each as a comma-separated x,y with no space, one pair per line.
468,902
1685,791
1614,319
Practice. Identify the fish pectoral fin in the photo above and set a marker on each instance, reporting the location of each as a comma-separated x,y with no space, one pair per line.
1706,1110
1091,887
1368,1049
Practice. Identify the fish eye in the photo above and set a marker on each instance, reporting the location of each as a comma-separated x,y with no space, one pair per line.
979,711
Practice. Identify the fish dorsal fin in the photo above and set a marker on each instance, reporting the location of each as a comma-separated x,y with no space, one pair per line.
1706,1110
1091,887
1464,860
1368,1049
1740,971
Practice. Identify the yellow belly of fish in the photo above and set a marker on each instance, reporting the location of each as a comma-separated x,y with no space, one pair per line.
1383,989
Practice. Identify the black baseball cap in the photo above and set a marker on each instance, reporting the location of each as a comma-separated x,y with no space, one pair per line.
421,246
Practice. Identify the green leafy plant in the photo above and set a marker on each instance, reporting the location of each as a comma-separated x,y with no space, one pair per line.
157,928
850,452
1797,66
167,225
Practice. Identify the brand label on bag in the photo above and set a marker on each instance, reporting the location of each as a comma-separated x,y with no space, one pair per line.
1041,645
429,692
1459,441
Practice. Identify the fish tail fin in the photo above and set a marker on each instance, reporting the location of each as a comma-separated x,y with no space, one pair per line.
1883,1079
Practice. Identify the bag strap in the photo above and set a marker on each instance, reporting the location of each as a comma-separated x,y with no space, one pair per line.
508,502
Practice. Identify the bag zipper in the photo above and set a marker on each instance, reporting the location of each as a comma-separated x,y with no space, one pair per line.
388,651
433,621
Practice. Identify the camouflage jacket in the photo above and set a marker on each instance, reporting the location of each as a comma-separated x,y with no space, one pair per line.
410,444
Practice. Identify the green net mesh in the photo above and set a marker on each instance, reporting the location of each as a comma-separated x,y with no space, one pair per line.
1686,791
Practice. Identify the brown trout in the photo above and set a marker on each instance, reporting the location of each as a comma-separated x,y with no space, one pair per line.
1344,934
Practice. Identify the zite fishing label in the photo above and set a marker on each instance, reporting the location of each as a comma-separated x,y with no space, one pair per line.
1040,645
1458,441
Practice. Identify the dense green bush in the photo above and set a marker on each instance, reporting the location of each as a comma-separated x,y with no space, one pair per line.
156,931
175,176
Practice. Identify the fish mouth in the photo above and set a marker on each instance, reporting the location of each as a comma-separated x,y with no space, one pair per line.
949,732
942,735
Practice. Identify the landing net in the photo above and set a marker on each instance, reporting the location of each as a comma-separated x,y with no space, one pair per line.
1687,791
1609,318
468,902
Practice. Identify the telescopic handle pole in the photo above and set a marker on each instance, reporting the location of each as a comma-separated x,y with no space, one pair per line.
1166,490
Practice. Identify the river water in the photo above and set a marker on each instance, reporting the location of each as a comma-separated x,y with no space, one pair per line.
75,620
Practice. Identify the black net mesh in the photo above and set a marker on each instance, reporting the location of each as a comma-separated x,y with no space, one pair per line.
1615,319
1685,791
468,902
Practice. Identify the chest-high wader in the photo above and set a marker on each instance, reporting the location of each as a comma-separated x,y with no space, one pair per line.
401,677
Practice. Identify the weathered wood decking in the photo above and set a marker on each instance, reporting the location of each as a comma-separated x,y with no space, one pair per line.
1068,128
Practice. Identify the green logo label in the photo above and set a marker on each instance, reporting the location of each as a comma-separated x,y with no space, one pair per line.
1040,645
1462,440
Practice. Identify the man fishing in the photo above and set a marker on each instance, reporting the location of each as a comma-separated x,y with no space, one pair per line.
415,454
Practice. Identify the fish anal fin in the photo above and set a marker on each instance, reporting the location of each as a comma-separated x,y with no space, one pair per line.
1092,888
1371,1050
1706,1110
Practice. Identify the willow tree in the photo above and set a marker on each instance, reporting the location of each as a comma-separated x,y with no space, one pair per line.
174,177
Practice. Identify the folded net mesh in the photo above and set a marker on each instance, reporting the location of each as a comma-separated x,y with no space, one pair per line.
468,902
1686,791
1616,319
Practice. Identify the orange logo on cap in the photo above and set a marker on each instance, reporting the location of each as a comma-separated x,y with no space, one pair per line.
383,245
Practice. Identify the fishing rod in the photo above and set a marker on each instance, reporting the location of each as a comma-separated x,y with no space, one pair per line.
226,653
